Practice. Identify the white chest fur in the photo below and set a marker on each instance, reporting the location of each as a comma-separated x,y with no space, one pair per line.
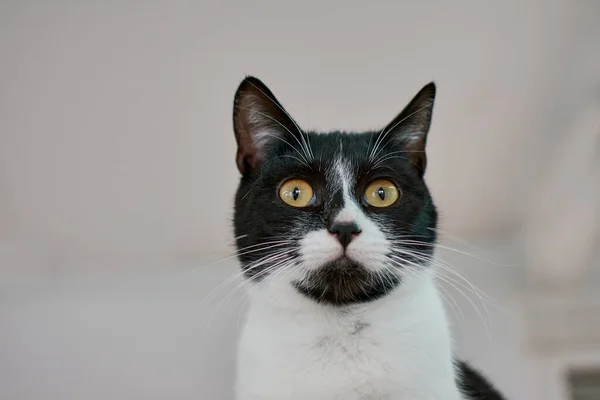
397,347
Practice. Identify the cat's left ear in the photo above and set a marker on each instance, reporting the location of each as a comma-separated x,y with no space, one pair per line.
408,131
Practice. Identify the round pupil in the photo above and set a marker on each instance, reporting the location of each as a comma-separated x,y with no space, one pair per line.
381,193
295,193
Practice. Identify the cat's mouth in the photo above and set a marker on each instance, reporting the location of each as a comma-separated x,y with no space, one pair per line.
344,258
344,281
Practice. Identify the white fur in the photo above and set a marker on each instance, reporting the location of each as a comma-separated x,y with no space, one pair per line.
396,347
292,348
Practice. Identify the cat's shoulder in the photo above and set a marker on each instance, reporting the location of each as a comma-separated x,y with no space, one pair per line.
473,385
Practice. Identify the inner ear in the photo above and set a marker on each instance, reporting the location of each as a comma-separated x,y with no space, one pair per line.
260,122
407,133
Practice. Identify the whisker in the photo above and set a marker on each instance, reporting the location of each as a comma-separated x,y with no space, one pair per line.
425,244
438,264
402,263
296,158
246,297
485,325
452,304
242,251
472,246
232,292
253,265
389,156
472,288
428,260
376,143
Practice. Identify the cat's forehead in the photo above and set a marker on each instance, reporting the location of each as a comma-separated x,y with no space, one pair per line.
340,143
333,156
341,150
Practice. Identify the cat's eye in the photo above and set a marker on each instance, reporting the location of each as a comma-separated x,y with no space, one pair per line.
381,193
296,193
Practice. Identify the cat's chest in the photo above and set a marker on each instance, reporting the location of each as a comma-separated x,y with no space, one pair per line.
349,361
352,341
372,354
349,344
354,361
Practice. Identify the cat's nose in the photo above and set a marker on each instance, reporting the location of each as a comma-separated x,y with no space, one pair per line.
345,232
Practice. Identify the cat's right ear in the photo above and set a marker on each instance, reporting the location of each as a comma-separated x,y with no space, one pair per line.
259,121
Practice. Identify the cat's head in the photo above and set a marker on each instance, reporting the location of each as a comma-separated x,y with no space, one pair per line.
342,217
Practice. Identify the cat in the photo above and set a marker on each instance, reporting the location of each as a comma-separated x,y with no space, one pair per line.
336,233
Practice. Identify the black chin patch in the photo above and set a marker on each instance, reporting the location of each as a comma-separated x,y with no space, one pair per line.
345,282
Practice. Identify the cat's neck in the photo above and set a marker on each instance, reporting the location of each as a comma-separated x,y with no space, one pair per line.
413,296
414,306
402,337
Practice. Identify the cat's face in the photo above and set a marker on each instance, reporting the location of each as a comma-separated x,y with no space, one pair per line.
342,217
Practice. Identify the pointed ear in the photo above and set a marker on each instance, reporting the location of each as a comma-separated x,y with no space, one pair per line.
409,129
259,121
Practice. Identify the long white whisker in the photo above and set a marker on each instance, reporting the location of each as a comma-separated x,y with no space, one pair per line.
232,292
403,262
261,261
296,158
444,266
376,142
272,244
387,156
472,246
438,263
452,304
246,297
425,244
485,325
472,290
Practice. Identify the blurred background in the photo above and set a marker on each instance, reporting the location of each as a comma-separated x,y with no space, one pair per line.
117,177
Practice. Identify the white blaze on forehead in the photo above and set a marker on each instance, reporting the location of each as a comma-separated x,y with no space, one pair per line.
350,211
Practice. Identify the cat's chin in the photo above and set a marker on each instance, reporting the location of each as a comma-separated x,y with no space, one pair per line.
344,282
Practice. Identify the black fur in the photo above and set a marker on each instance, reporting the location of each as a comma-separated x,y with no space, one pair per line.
474,385
345,282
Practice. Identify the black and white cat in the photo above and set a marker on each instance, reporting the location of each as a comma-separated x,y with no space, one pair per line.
336,231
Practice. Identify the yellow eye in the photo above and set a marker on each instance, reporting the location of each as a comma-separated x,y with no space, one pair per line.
381,193
296,193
